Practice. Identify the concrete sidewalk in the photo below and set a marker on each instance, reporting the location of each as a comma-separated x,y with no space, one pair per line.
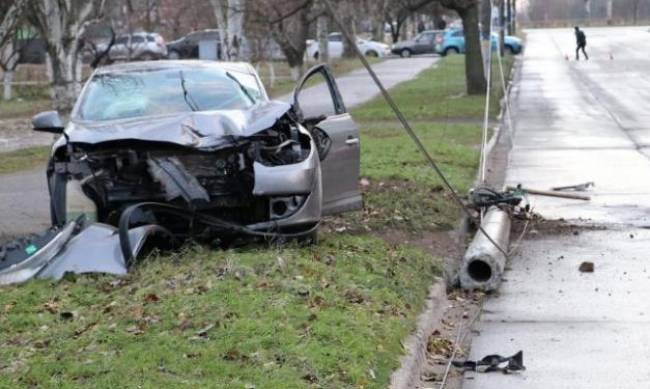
578,122
24,203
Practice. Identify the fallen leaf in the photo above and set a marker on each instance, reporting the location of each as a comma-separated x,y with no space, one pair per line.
586,267
151,298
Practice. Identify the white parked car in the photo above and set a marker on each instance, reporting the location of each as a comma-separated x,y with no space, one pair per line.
335,43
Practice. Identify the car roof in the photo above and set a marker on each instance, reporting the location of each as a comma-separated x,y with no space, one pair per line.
242,67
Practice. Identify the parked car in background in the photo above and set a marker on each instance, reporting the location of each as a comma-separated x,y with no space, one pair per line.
335,43
424,43
453,42
141,46
188,46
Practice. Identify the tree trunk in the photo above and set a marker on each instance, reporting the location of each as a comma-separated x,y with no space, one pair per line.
235,23
486,30
221,15
474,75
7,79
349,18
322,30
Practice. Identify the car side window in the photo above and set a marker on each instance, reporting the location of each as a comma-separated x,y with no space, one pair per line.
150,38
317,95
457,34
137,39
335,38
121,40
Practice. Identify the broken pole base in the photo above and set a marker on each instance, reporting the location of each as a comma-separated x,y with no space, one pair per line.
483,264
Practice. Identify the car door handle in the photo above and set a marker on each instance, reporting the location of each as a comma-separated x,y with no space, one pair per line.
352,141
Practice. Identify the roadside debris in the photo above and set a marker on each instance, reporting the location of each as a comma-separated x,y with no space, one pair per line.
549,193
494,363
576,188
586,267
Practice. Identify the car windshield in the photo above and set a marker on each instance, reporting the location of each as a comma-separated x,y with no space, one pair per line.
128,94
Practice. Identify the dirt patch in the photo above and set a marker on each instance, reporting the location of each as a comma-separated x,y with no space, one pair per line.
540,229
454,333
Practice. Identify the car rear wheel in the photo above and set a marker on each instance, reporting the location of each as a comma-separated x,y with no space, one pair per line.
372,53
174,55
316,56
451,50
512,50
146,57
406,53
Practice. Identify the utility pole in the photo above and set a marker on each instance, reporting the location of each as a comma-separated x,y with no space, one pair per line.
513,21
502,9
509,16
486,39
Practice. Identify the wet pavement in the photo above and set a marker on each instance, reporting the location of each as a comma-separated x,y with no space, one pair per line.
24,203
577,122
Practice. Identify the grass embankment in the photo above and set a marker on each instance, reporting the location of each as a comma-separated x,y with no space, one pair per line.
23,159
328,316
403,191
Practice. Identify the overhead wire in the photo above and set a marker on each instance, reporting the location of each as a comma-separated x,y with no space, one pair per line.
407,127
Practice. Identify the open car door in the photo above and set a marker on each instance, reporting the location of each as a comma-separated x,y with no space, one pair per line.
319,106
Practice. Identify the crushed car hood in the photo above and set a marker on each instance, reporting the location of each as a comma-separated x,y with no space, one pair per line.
203,130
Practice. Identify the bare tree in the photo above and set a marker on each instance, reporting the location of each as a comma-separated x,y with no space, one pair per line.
397,13
468,10
62,23
10,45
288,22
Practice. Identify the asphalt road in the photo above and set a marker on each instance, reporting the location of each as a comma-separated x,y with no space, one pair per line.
24,203
577,122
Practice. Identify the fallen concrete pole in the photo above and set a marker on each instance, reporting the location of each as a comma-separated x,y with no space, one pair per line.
483,263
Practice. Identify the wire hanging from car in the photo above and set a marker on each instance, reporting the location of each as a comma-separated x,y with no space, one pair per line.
405,124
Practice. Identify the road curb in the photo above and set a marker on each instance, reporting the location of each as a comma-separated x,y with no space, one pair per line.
412,363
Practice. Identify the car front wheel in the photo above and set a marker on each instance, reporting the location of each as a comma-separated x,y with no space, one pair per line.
372,53
450,50
406,53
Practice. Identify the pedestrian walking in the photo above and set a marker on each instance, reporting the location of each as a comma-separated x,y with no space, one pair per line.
581,43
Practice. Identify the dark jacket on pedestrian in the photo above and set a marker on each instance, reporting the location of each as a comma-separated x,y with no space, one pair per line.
581,39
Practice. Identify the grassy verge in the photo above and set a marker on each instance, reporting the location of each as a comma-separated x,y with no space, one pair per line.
438,95
21,108
23,159
326,316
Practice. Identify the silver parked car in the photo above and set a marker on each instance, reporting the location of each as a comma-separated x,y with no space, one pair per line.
141,46
159,143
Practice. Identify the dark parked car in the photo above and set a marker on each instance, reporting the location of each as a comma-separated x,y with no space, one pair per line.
423,43
188,46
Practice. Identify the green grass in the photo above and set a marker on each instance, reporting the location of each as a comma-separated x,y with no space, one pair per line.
21,108
23,159
439,94
329,316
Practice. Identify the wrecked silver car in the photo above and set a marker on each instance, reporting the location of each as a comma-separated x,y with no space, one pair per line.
175,150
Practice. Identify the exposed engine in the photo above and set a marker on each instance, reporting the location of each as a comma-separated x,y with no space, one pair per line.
218,182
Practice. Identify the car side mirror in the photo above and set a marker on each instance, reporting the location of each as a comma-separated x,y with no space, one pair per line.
48,121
